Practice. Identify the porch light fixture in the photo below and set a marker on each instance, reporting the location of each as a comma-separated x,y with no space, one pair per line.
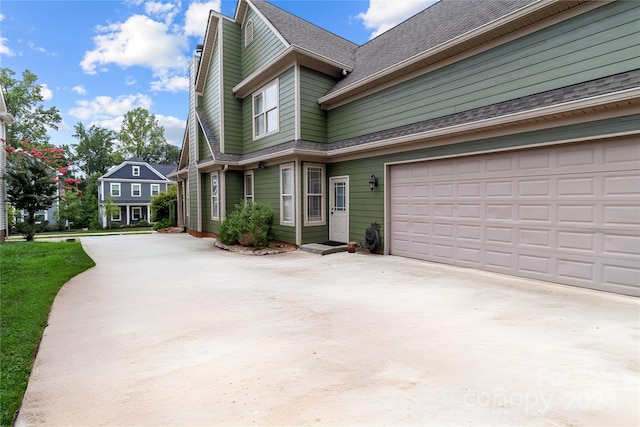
373,182
261,165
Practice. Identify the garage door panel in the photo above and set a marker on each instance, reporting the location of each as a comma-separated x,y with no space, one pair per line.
569,214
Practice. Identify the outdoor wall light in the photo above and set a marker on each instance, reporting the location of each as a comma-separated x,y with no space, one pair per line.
261,165
373,182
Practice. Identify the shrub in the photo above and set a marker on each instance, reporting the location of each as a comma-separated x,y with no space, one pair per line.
142,223
249,225
163,223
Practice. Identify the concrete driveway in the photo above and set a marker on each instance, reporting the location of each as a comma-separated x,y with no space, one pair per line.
169,330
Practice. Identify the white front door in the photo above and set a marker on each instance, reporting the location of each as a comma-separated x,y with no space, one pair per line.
339,209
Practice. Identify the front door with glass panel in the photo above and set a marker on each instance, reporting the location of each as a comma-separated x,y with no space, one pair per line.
339,209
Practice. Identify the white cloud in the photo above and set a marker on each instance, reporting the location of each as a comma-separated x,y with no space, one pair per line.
197,15
4,49
139,41
173,128
107,111
46,93
164,11
170,82
80,90
385,14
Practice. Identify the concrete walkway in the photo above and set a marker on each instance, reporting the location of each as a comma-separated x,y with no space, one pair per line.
169,330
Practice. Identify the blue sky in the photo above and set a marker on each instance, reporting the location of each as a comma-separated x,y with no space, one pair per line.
96,60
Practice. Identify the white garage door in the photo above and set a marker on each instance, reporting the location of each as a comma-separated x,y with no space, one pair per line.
567,214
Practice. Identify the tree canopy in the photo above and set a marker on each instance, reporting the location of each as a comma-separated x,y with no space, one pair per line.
94,152
24,101
141,136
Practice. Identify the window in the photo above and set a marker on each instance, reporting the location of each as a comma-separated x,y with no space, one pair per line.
188,198
155,189
135,170
314,194
115,190
248,186
136,213
248,33
215,197
136,190
116,216
265,110
286,195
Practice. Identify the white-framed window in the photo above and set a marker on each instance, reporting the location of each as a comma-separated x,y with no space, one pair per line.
155,189
287,214
314,194
215,196
136,213
135,170
265,110
248,33
188,207
248,186
136,190
116,216
114,190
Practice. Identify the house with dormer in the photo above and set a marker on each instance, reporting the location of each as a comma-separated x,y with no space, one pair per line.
130,186
501,135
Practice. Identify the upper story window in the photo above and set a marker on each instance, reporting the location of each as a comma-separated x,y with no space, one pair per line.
136,190
115,189
248,186
248,33
265,110
135,170
155,189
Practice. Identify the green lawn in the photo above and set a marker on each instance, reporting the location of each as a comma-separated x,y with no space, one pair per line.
31,273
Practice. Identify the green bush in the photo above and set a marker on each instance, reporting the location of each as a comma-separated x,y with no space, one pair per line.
163,223
249,225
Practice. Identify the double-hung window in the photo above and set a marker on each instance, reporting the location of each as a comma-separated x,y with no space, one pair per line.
286,195
135,170
248,186
155,189
114,189
136,213
215,196
314,194
136,190
265,110
116,215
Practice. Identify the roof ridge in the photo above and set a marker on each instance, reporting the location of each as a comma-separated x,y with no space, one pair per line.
299,18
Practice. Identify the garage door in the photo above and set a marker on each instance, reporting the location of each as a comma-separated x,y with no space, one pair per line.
567,214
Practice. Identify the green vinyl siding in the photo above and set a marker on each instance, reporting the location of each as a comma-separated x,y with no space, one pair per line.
204,150
232,65
366,207
313,120
595,44
266,188
265,46
208,224
286,112
234,189
210,100
193,198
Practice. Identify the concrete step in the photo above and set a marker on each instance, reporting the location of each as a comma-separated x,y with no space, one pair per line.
320,249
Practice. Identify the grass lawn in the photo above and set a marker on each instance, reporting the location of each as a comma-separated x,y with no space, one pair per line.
31,273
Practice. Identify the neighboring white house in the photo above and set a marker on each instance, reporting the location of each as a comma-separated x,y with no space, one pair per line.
5,119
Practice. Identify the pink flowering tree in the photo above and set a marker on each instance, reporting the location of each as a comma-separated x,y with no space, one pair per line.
36,177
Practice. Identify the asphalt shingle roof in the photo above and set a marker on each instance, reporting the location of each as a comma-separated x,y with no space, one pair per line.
433,26
296,31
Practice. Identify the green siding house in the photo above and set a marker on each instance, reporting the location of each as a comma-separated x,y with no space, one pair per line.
501,135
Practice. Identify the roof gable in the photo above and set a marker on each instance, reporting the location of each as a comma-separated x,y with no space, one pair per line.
146,171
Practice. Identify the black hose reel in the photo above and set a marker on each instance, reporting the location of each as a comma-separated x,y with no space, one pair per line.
372,237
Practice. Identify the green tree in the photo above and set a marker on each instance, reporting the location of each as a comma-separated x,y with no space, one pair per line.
30,186
94,151
24,101
141,136
161,205
109,209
